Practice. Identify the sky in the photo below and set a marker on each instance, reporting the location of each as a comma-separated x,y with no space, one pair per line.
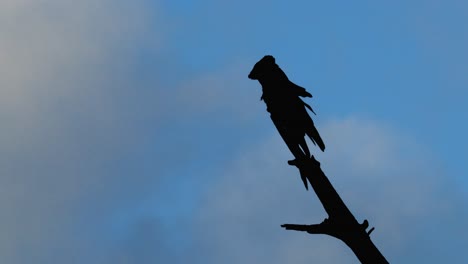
131,133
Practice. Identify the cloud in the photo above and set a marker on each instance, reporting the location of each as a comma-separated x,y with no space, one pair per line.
90,129
381,175
72,111
96,120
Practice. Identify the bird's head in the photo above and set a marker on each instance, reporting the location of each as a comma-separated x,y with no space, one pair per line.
263,68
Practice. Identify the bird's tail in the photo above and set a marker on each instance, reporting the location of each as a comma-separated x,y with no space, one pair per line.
308,106
314,135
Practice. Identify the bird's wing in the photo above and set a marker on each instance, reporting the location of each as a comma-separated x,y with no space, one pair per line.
298,90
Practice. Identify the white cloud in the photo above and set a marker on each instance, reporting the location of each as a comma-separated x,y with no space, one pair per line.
70,113
77,165
79,161
381,176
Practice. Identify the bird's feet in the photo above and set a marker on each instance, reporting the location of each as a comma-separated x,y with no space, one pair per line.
296,162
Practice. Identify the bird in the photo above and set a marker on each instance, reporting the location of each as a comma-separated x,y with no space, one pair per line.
287,110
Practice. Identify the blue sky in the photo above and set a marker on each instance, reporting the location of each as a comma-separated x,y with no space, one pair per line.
131,133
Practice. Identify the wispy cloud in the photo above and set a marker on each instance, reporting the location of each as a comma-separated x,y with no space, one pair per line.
95,125
379,173
70,125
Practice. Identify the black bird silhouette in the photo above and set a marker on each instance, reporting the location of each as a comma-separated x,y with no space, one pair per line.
287,111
